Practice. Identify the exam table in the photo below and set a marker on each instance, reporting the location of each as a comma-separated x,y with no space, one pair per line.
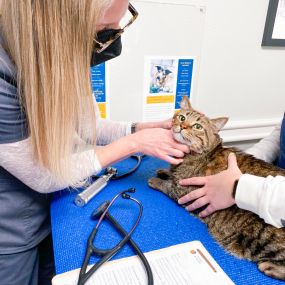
163,224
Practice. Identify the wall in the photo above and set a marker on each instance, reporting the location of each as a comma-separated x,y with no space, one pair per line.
235,76
163,28
238,77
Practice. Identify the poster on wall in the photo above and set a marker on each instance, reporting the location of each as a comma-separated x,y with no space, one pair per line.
99,87
274,30
167,80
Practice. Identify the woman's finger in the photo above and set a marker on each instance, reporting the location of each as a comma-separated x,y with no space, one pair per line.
181,147
198,203
170,159
167,124
232,160
193,195
197,181
176,153
206,212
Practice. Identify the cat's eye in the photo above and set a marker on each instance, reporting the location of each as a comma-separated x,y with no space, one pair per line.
197,126
182,118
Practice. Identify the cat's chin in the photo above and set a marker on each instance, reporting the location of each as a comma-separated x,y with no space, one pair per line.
178,137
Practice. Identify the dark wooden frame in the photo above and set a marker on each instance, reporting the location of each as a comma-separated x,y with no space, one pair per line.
269,25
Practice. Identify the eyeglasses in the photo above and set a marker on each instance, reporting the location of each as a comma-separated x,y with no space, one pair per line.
102,46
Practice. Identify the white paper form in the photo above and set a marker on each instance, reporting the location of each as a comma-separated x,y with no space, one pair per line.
183,264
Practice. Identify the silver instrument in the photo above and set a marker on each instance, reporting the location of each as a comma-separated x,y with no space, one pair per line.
86,195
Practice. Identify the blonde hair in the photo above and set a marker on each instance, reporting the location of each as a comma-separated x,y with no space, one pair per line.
51,44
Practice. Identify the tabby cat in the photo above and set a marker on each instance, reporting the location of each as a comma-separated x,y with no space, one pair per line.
240,232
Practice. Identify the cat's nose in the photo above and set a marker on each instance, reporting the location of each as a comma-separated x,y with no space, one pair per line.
183,127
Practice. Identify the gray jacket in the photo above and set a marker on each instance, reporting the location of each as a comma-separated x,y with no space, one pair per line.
24,213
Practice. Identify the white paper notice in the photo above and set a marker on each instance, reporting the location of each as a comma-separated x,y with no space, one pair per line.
183,264
167,80
279,25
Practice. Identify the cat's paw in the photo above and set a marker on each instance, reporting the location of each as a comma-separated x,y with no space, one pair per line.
154,183
273,270
161,185
163,174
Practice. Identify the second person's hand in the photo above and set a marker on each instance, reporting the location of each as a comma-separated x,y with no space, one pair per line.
216,190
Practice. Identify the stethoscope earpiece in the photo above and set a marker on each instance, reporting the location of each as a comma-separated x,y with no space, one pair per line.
131,190
126,196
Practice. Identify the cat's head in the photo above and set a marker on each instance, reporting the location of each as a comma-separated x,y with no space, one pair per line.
194,129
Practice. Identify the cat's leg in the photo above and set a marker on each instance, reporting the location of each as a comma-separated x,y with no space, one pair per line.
162,185
275,270
163,174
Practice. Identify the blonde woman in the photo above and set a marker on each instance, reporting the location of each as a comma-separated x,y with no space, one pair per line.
46,103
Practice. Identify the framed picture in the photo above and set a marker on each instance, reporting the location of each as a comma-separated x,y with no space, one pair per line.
274,30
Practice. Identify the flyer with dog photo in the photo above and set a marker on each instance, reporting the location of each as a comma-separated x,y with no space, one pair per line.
167,80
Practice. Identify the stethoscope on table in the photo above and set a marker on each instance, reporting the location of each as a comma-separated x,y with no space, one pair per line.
103,212
111,173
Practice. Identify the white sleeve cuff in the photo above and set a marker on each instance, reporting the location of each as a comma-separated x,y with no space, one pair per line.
248,191
97,164
129,128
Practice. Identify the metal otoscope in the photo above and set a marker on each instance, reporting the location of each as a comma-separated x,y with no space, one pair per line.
86,195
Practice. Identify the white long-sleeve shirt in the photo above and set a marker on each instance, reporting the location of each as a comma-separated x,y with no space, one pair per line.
264,196
17,158
15,147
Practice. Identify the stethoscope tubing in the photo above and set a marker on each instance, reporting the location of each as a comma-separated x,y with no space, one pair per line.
108,254
138,159
135,247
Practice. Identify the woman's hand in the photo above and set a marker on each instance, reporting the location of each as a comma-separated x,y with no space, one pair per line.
166,124
160,143
216,190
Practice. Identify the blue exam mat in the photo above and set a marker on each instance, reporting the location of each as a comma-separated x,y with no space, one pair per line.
163,224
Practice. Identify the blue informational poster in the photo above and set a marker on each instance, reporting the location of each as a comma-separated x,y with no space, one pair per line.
98,81
184,80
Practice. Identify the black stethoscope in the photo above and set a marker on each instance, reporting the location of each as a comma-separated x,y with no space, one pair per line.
103,212
137,157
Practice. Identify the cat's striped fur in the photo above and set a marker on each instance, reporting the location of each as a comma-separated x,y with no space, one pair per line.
240,232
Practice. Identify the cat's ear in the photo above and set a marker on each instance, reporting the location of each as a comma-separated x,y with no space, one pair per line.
219,123
185,103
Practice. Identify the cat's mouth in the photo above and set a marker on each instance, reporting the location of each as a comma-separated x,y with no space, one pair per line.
178,136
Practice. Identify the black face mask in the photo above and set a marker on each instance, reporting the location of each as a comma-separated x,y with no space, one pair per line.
112,51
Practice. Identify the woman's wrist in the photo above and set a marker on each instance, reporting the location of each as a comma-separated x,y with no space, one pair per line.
145,125
167,124
118,150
